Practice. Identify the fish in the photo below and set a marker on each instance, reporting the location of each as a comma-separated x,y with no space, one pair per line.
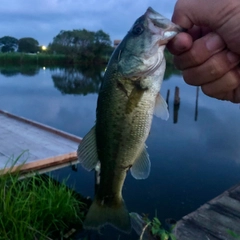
128,98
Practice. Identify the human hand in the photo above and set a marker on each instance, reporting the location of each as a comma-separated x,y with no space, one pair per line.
209,53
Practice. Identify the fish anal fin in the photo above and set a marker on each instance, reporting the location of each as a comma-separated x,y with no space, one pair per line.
87,151
142,166
161,108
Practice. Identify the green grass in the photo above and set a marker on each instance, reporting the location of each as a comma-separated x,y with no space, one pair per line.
36,208
41,59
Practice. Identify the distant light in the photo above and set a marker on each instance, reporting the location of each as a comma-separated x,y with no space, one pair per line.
44,48
43,68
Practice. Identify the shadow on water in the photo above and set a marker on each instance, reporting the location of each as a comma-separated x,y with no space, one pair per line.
78,81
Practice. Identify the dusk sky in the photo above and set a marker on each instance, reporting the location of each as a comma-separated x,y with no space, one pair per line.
44,19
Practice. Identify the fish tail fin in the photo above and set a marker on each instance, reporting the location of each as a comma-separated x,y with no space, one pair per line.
100,215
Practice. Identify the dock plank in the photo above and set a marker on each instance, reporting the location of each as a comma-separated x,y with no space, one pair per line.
37,141
44,163
219,219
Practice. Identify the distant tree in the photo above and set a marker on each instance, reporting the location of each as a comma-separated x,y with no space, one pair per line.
8,44
82,45
28,45
101,37
102,44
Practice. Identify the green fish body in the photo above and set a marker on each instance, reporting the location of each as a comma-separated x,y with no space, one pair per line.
128,99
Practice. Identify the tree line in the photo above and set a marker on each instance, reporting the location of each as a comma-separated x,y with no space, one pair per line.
11,44
78,45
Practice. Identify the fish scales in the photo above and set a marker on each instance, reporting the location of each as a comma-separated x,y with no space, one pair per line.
128,98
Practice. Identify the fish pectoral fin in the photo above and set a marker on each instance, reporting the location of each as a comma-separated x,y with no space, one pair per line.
141,167
161,108
87,151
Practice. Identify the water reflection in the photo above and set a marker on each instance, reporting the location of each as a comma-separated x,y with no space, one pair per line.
25,70
71,80
78,81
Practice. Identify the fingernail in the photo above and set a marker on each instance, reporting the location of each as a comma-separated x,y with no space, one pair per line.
214,43
232,57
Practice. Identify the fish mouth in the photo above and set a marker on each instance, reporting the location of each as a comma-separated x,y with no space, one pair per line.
158,24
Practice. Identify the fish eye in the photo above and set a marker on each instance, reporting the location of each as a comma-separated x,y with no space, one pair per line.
138,29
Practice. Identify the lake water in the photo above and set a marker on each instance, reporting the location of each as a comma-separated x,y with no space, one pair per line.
193,160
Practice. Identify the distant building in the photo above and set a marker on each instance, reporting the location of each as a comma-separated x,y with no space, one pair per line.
116,43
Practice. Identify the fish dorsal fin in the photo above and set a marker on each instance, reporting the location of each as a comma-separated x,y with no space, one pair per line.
87,151
141,167
161,108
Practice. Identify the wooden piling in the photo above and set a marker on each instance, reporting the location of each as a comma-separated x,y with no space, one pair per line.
176,104
196,105
176,96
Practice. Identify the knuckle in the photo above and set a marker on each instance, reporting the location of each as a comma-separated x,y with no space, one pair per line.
216,67
194,57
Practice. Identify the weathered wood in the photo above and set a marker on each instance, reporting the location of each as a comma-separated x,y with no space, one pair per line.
176,96
219,219
167,97
43,163
32,141
196,104
42,126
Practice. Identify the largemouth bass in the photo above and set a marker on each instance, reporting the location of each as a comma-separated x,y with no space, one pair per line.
128,98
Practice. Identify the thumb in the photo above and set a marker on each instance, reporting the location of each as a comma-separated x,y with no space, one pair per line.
222,17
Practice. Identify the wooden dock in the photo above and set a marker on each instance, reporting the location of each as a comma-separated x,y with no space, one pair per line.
219,219
43,149
40,147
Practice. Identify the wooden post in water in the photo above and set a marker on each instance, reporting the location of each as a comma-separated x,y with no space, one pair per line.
176,104
196,105
167,98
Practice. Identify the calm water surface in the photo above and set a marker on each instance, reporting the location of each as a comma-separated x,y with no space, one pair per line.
192,160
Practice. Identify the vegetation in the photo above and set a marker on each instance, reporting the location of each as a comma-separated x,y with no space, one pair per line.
29,45
36,208
170,68
8,44
42,59
152,229
76,47
82,46
156,230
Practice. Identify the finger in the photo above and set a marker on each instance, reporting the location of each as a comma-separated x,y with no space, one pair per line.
220,16
201,13
198,32
202,49
214,68
195,32
225,88
179,44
